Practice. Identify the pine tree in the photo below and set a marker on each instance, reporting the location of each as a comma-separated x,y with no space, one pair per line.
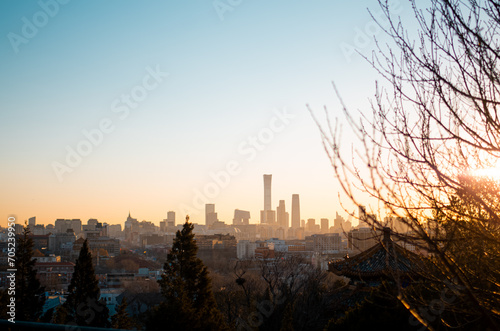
30,296
287,321
82,305
61,315
186,286
121,320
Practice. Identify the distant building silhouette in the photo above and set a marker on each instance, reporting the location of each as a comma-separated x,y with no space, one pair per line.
282,215
241,217
267,215
115,230
295,211
324,225
94,228
267,192
131,227
63,225
365,219
169,222
171,218
359,240
338,222
210,214
325,243
311,225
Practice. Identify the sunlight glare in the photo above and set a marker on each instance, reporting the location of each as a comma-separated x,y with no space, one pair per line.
491,173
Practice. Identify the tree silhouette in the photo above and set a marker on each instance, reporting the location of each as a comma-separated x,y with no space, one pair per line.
30,296
83,306
189,301
435,125
121,320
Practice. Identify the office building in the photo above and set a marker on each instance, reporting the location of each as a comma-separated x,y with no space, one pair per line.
63,225
295,211
265,215
171,218
245,249
241,217
338,222
267,192
324,225
311,225
359,240
269,216
210,214
168,223
282,215
55,275
325,243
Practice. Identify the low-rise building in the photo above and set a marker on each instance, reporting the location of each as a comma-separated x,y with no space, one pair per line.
245,249
55,275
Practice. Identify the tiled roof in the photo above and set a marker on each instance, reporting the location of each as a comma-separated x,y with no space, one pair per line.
380,261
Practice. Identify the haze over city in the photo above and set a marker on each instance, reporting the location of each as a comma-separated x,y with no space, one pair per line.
109,109
250,165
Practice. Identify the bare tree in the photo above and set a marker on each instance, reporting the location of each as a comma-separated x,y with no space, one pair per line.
433,126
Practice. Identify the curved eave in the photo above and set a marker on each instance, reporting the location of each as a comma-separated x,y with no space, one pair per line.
399,262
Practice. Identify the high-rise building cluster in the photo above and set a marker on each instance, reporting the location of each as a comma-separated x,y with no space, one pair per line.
278,232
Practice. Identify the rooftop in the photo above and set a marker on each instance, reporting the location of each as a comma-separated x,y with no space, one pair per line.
384,260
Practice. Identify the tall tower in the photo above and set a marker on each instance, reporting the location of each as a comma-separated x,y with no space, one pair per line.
210,214
171,218
325,225
267,192
295,211
282,215
267,215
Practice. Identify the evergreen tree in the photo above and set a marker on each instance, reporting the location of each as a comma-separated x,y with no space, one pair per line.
30,296
82,305
61,315
186,286
121,320
287,322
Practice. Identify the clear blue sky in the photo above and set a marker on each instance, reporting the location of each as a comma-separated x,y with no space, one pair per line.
66,69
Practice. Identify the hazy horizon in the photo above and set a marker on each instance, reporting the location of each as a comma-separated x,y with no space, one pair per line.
128,106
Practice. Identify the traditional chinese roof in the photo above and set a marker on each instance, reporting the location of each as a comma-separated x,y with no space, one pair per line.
384,260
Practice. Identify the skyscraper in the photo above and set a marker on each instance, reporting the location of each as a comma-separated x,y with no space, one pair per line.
295,211
210,214
171,218
311,225
241,217
324,225
267,213
282,215
267,192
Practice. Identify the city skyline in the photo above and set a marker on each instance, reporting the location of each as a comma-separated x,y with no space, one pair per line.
107,109
210,215
232,164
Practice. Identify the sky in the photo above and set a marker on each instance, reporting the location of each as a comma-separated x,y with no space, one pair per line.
108,107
